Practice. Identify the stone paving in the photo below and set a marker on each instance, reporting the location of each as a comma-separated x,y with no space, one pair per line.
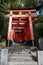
21,55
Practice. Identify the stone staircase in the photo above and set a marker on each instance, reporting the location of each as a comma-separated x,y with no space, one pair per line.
20,55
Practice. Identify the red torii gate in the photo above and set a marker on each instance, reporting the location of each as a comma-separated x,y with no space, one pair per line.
20,25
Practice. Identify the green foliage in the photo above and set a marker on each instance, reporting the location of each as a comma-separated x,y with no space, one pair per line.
2,19
27,3
38,28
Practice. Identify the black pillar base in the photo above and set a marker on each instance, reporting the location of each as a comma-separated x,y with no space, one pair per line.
8,43
31,43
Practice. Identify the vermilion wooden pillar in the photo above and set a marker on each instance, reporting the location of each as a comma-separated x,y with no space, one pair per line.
29,30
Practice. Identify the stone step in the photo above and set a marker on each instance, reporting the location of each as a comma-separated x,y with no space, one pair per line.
20,52
18,47
23,56
22,63
20,59
20,55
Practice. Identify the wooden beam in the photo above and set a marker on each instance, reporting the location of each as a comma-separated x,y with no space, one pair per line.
21,10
